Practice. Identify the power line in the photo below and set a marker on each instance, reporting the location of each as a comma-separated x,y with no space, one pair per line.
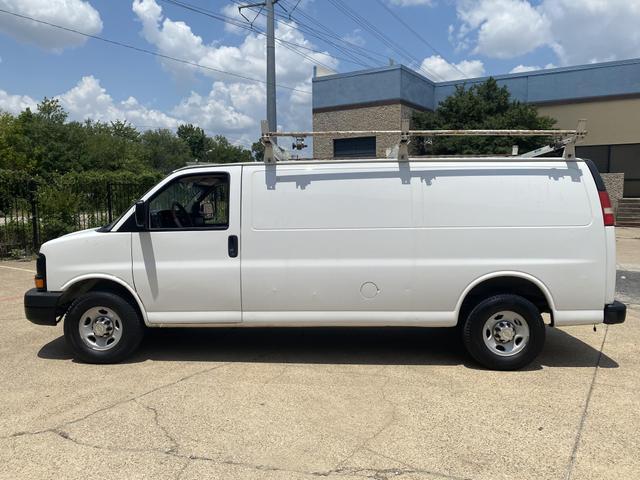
325,32
294,8
292,46
420,37
364,23
149,52
350,49
250,27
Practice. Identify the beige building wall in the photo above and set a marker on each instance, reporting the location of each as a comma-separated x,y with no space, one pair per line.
609,122
381,117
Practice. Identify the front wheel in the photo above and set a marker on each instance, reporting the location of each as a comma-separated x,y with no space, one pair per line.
504,332
101,327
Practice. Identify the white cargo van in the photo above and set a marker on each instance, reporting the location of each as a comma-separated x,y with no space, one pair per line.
483,244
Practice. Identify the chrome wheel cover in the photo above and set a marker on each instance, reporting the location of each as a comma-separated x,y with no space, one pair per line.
506,333
100,328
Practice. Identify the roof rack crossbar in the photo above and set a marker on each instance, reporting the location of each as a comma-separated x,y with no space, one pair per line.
274,153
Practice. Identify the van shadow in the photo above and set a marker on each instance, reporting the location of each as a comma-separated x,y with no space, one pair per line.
368,346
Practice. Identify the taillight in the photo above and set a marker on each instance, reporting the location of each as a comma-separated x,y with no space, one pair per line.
607,209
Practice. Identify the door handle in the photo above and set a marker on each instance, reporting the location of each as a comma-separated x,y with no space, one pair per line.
232,245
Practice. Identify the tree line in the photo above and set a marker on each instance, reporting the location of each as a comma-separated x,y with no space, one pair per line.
44,143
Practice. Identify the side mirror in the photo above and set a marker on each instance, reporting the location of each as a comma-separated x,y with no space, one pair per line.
141,214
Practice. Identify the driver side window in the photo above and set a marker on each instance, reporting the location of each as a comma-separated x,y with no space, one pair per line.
192,202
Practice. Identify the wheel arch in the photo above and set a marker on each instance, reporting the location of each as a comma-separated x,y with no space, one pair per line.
518,283
105,283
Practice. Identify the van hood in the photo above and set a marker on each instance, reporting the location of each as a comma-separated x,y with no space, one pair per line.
73,236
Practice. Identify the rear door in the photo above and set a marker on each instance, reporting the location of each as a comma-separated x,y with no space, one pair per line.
186,267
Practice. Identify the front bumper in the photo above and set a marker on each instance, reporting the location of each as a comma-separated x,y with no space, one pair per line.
41,307
615,312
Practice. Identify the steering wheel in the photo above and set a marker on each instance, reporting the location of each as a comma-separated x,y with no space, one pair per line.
177,208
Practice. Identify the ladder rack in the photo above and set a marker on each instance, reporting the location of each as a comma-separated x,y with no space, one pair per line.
564,138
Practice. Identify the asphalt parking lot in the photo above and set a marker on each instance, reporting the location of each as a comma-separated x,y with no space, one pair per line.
320,403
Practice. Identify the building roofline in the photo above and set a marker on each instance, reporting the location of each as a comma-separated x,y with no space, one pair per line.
544,71
371,71
615,79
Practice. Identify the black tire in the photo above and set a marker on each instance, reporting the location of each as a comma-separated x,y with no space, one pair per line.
129,322
474,332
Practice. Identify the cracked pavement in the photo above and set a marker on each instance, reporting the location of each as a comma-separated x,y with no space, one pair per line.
320,403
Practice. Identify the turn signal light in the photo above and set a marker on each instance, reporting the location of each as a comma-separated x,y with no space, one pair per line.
39,281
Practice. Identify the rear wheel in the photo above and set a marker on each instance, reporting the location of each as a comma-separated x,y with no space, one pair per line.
101,327
504,332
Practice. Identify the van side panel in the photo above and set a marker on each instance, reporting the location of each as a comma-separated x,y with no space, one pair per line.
330,239
540,219
398,244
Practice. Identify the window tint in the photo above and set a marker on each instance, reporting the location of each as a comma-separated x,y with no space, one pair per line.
192,202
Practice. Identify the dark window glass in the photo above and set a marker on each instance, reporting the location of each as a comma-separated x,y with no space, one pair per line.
631,188
354,147
598,153
626,158
193,202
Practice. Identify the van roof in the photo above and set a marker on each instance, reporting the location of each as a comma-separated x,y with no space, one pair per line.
467,158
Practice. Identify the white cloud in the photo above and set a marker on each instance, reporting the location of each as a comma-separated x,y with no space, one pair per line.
231,10
355,37
606,29
75,14
228,109
248,58
443,70
410,3
530,68
577,32
244,100
88,99
233,107
505,28
15,103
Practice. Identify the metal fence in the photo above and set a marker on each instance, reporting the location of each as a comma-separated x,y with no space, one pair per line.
32,212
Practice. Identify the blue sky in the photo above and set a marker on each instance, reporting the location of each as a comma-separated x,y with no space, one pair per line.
458,37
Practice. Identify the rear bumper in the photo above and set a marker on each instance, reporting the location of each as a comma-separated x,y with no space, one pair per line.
615,313
40,307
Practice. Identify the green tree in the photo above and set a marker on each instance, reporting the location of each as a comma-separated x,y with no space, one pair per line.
44,143
196,140
257,151
51,110
11,158
219,150
113,147
164,151
483,106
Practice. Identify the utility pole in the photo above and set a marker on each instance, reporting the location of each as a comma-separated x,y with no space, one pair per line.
271,59
271,67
